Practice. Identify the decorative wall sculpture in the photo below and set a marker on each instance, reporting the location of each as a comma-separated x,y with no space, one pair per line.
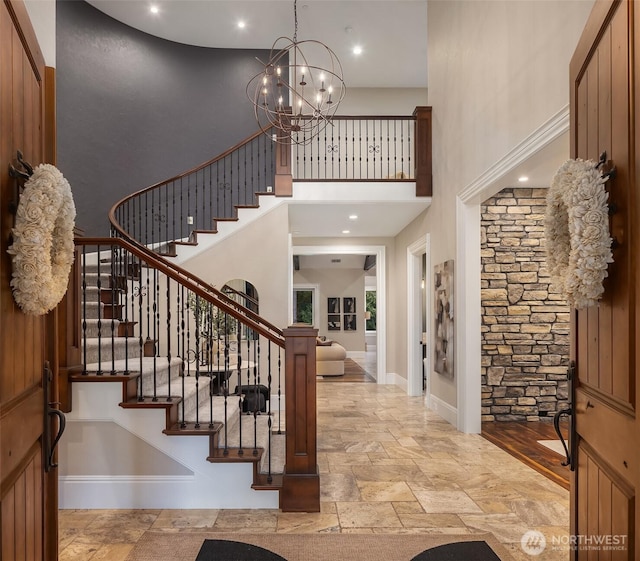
444,326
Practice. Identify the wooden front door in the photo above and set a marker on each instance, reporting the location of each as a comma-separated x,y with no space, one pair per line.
28,509
606,338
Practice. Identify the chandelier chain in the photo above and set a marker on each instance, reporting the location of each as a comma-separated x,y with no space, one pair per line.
295,21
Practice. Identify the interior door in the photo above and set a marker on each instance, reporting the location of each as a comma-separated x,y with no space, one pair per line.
606,338
28,511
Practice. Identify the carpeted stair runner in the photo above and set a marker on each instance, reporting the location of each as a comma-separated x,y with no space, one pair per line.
107,352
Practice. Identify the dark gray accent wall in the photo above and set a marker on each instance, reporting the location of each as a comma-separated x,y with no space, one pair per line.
133,109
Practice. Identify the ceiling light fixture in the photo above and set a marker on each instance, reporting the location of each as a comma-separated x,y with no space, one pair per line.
297,92
154,9
353,217
241,24
523,179
357,50
346,231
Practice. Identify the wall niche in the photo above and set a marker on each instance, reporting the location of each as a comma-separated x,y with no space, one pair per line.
525,321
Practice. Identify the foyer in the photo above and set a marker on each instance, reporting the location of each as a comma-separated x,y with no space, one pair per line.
387,465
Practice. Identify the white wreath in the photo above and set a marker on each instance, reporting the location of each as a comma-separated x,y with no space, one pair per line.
577,232
42,249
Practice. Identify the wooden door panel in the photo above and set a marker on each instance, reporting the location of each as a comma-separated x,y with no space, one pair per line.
25,491
608,510
21,513
604,338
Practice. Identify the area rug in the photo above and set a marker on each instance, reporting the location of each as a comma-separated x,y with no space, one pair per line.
211,546
554,445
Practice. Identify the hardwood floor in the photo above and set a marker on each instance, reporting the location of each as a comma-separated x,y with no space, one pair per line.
353,372
520,439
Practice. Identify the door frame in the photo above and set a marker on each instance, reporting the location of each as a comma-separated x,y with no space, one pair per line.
381,289
544,150
415,251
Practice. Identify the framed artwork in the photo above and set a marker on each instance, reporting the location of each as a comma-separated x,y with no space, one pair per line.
333,305
350,322
333,322
444,326
349,305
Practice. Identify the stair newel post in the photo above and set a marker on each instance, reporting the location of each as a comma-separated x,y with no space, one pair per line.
301,480
422,147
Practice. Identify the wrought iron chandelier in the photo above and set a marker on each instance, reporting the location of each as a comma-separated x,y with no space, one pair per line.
299,89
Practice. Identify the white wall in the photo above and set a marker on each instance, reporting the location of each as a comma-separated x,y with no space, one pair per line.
497,70
382,101
258,253
42,14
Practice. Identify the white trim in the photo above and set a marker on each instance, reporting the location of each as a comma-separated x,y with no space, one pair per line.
315,288
397,380
381,290
467,284
448,412
552,129
468,320
414,319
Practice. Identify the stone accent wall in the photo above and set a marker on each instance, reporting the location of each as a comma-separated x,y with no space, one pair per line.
525,322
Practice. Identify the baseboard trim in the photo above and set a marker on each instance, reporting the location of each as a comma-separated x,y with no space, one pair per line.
166,491
448,412
396,380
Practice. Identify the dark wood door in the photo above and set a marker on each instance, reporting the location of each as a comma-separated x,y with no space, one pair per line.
606,338
28,513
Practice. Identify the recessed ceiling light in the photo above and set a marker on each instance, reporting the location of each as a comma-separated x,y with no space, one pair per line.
154,9
346,231
353,217
241,25
523,179
357,50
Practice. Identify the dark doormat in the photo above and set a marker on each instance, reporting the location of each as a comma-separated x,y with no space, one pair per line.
461,551
224,550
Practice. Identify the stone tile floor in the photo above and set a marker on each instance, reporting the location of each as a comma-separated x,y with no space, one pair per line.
387,465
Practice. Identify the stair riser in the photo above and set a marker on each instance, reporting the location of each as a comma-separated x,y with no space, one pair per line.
119,350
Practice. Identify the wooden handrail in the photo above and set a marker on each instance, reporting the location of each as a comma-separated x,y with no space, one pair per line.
121,202
193,283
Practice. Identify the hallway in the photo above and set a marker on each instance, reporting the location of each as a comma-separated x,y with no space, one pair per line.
387,466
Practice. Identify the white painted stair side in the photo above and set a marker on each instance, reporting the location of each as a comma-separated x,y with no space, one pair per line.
225,229
211,485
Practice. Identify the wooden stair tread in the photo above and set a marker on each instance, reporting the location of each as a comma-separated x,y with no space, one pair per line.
105,377
227,219
191,430
218,456
261,482
246,206
162,402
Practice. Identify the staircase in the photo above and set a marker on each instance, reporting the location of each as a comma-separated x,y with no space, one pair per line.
122,345
135,354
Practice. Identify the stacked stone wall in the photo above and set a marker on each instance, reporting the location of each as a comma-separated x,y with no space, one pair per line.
525,322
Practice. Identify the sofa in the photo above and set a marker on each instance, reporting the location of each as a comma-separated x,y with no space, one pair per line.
330,358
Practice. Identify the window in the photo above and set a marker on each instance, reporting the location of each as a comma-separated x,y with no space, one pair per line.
370,309
303,305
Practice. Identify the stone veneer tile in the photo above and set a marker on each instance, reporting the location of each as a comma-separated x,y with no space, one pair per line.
367,515
444,502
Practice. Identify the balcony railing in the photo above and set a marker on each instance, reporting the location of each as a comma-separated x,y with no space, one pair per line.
357,149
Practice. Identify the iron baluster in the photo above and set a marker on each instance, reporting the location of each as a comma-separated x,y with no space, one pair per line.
196,314
140,337
168,280
112,295
84,309
100,311
269,422
181,305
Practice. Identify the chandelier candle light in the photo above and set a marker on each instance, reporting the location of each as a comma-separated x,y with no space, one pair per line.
299,89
